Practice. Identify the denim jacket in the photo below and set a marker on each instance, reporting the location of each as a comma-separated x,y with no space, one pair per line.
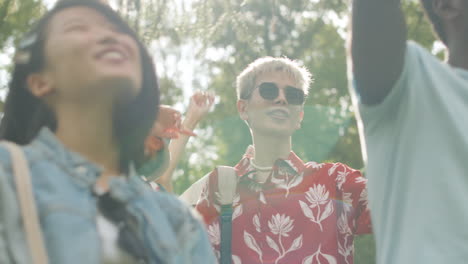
62,184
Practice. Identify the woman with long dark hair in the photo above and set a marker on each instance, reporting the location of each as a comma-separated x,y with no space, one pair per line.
82,99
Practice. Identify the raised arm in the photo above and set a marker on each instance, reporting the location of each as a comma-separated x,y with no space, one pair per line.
200,103
377,47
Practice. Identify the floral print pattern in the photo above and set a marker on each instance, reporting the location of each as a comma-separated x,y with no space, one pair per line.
317,196
304,213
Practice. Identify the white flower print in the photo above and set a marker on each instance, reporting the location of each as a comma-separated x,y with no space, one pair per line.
261,197
273,245
343,226
237,212
252,244
204,195
281,225
236,260
316,165
237,207
289,162
332,169
317,196
341,178
236,200
214,234
347,198
289,180
256,222
318,256
363,197
347,202
345,250
344,247
361,180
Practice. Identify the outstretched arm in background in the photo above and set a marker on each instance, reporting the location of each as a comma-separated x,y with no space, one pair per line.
377,47
200,104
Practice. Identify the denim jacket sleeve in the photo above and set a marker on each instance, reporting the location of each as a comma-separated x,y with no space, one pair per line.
13,247
202,252
191,244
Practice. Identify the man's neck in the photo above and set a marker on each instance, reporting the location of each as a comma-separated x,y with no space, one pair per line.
89,132
270,148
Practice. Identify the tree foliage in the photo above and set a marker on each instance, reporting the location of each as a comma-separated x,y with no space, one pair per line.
15,18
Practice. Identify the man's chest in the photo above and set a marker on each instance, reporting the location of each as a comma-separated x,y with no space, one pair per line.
288,230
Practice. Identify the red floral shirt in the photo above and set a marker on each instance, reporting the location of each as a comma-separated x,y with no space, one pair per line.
304,213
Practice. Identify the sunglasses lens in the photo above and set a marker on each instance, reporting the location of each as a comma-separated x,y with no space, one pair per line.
294,95
269,91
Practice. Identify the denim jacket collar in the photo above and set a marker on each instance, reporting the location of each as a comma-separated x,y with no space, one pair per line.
82,170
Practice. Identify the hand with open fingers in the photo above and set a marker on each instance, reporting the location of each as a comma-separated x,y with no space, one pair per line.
200,105
168,125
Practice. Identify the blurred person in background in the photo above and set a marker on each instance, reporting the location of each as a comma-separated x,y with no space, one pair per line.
170,126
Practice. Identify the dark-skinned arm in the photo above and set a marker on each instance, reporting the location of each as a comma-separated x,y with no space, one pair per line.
377,47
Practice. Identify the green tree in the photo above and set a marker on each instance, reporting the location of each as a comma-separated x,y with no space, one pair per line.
15,18
156,21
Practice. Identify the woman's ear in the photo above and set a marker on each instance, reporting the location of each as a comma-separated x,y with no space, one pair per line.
242,109
39,84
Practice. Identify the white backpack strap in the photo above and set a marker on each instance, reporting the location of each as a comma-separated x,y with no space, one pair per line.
27,203
192,194
227,184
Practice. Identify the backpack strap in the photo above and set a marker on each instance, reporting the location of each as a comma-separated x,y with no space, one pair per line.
27,203
227,186
192,194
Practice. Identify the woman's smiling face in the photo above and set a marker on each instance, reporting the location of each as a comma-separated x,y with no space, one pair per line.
87,56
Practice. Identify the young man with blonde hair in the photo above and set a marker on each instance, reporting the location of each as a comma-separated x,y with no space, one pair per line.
284,210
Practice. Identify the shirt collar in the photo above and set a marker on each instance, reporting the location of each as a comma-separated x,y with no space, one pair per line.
291,165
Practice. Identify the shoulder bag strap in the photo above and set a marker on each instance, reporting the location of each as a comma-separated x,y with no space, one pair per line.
227,185
192,194
27,204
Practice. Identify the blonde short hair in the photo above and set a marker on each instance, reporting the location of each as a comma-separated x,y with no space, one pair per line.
246,79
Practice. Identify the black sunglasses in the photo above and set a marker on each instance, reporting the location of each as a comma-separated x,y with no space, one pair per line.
128,239
270,91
